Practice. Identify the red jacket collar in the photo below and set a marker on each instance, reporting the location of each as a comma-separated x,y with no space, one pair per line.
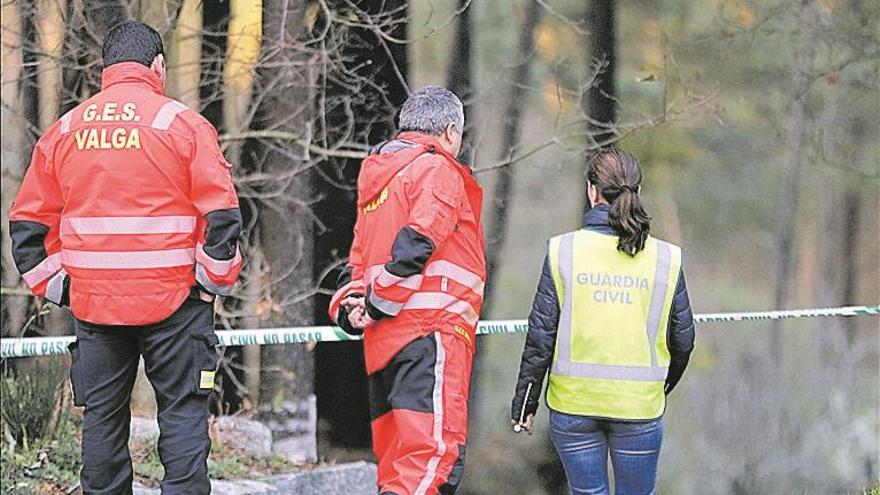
131,73
428,140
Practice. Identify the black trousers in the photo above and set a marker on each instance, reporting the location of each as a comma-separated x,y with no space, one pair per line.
180,360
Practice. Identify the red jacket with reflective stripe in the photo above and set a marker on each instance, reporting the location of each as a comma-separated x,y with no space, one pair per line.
127,202
413,197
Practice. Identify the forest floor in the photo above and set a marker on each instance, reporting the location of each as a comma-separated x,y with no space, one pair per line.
51,465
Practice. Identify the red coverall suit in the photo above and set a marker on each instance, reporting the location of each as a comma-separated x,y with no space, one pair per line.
128,204
418,258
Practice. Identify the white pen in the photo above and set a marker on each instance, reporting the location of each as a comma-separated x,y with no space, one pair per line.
522,414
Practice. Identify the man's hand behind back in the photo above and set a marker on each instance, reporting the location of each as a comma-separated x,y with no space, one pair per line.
357,313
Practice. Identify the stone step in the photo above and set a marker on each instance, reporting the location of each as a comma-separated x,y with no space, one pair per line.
353,478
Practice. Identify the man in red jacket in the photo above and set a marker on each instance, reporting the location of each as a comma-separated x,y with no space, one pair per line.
128,215
414,285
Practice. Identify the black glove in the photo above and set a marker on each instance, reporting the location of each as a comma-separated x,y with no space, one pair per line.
375,313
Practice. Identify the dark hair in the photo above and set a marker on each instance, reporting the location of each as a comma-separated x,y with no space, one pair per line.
617,175
131,41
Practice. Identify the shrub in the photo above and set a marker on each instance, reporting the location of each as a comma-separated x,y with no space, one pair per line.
28,403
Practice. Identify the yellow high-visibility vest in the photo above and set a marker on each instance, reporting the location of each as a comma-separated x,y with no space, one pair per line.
611,357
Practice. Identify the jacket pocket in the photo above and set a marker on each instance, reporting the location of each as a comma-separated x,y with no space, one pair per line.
567,423
205,360
456,410
76,375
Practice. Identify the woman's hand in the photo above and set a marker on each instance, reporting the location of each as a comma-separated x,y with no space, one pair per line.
527,425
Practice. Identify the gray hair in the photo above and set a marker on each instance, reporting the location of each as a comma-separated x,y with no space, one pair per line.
430,110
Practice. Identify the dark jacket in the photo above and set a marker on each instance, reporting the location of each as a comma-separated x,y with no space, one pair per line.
544,318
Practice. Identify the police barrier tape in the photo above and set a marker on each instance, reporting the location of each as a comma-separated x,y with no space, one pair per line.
51,346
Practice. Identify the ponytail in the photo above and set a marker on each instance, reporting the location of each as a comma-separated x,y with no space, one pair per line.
618,176
629,221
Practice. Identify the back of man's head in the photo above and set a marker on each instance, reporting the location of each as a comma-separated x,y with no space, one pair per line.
132,41
430,110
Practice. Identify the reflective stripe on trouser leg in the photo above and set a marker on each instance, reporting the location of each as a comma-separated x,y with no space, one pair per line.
437,395
420,430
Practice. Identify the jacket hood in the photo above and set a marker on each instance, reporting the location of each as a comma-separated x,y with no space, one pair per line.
387,159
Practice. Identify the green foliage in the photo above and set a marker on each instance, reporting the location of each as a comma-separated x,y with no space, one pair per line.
53,463
46,465
38,455
223,463
147,465
28,402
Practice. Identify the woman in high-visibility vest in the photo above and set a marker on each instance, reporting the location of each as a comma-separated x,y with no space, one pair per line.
612,322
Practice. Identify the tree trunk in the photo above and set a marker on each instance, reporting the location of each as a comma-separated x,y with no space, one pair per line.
242,52
600,100
161,15
14,160
341,384
184,55
510,140
284,228
852,210
44,34
215,19
459,78
29,85
81,73
788,198
50,28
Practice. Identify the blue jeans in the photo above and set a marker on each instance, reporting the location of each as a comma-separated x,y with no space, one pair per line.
583,444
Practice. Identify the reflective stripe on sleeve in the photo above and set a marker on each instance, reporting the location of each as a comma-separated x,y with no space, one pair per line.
384,278
205,281
377,274
443,268
165,116
112,260
390,308
217,267
47,268
128,225
65,122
